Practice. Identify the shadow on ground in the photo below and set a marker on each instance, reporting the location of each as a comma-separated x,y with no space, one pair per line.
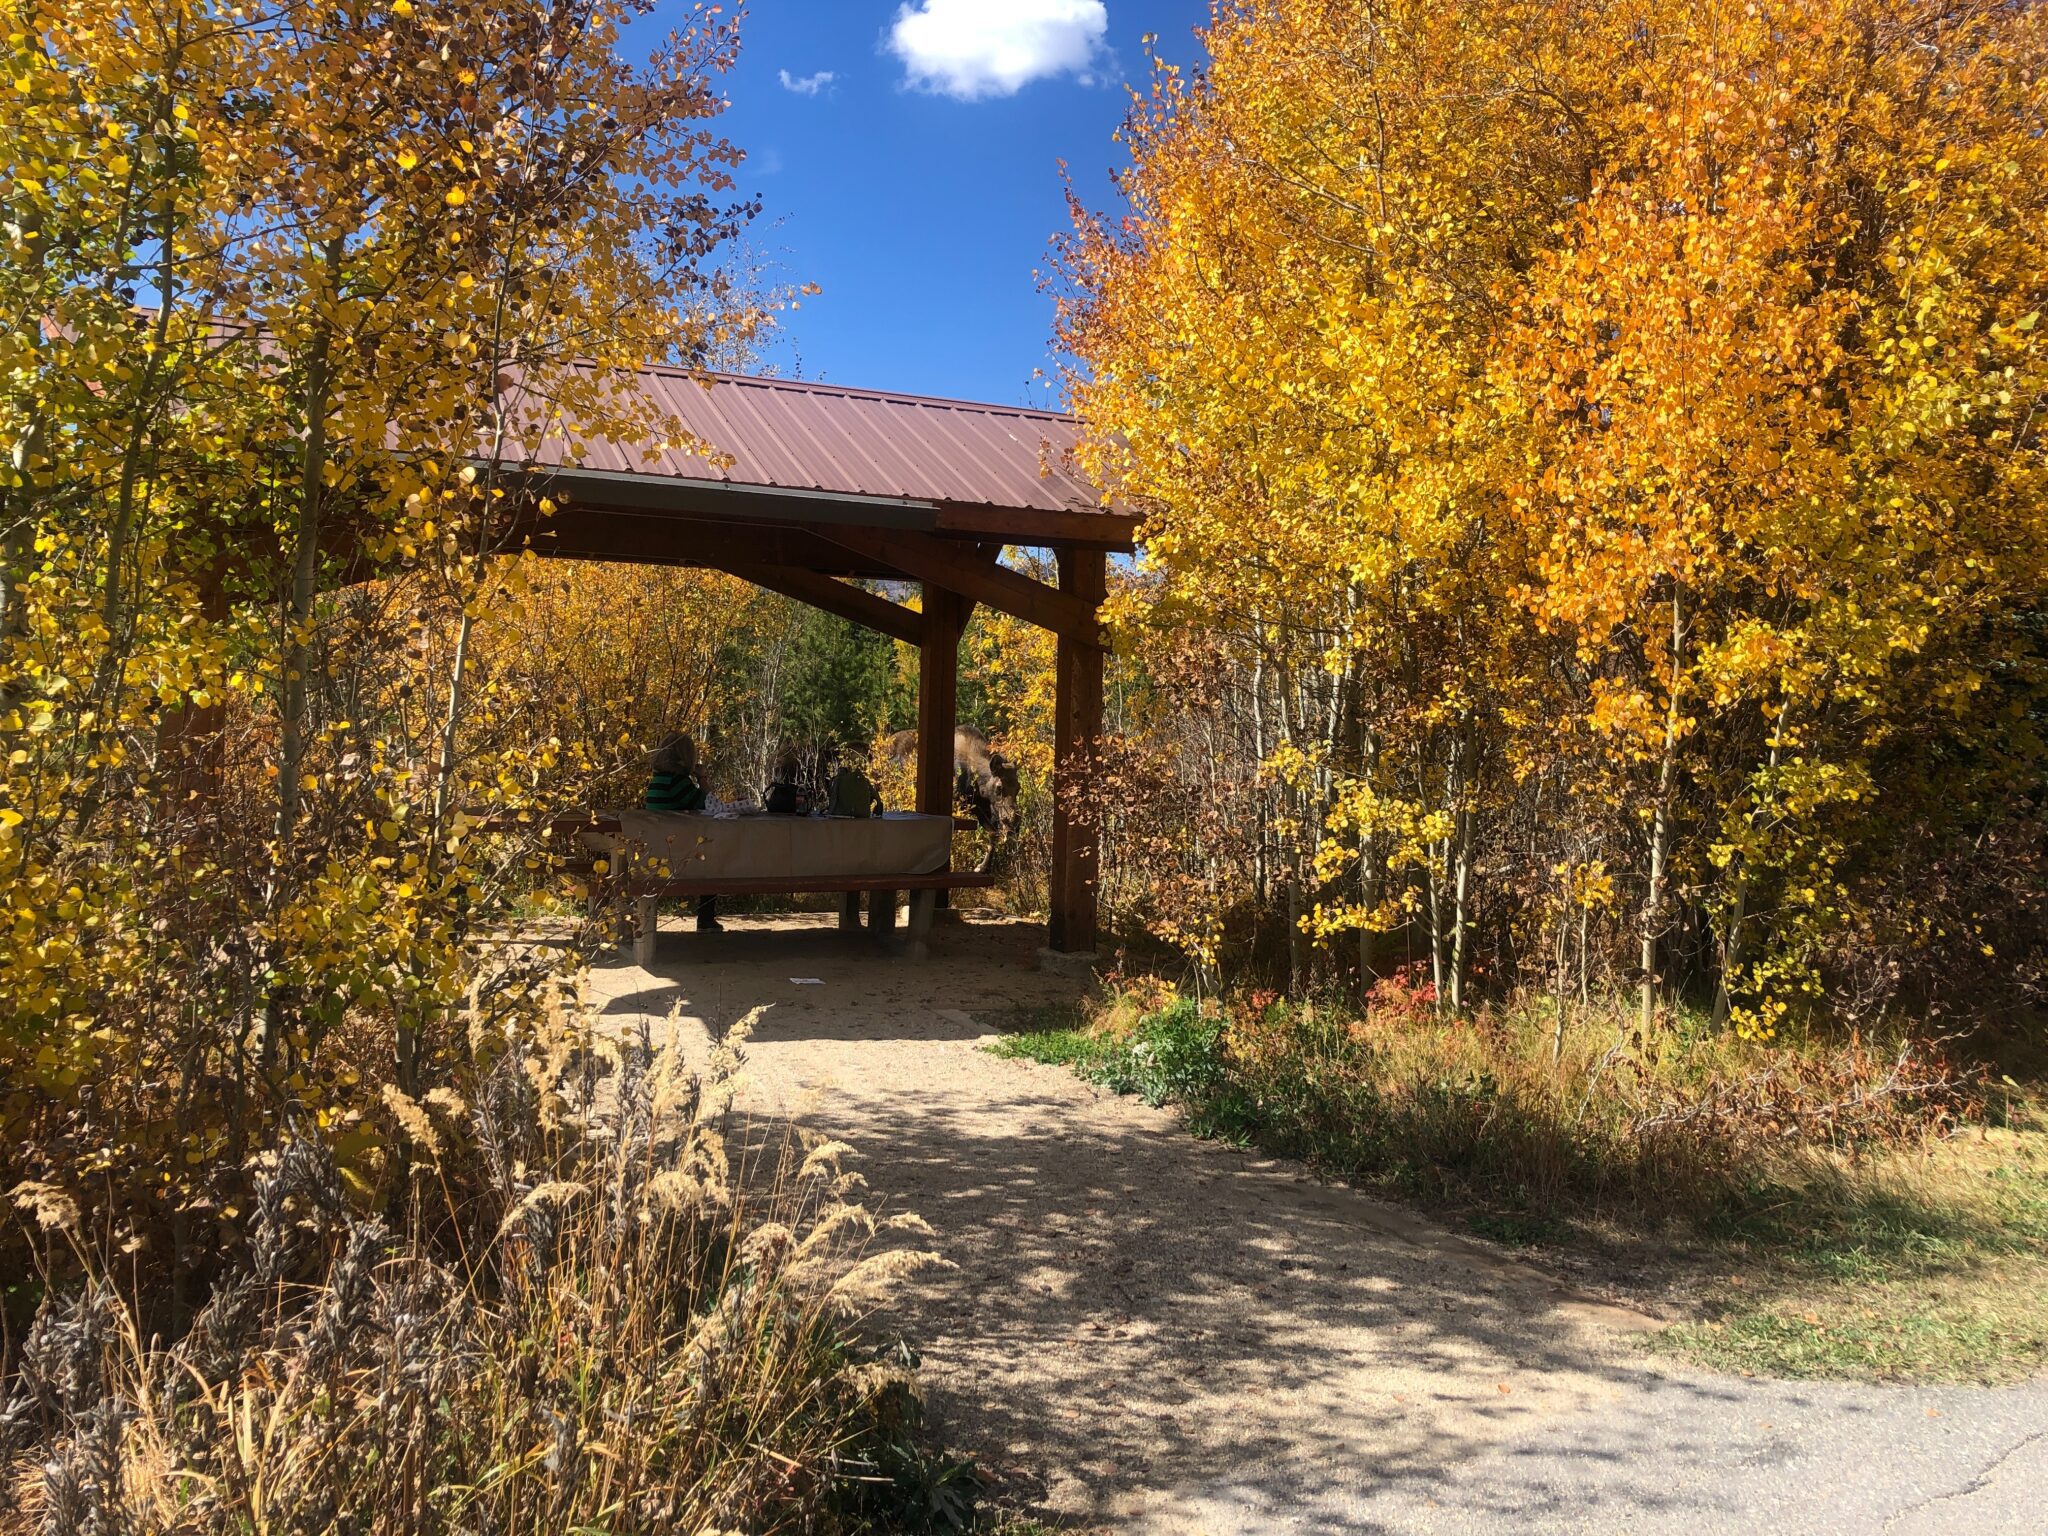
1149,1332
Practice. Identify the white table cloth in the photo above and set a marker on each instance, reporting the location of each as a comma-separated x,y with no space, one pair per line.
711,847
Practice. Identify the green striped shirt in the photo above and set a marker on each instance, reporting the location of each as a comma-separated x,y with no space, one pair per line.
674,792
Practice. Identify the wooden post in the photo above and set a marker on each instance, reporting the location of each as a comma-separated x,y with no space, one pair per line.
882,915
646,930
918,937
1077,728
938,698
189,741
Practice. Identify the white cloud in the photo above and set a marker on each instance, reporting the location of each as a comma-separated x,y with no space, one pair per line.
972,49
808,85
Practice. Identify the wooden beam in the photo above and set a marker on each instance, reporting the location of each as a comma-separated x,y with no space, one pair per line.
724,501
640,538
937,562
837,597
1034,527
938,697
1077,732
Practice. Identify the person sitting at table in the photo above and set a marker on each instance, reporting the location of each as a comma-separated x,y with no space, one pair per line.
672,785
673,788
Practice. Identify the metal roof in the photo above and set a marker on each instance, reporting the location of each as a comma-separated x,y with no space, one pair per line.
797,436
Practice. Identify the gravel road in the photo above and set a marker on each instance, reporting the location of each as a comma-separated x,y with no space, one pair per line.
1144,1332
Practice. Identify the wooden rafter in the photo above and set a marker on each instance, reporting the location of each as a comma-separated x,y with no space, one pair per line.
836,597
658,539
943,563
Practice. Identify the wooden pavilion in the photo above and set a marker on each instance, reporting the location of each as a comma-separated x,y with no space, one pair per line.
816,486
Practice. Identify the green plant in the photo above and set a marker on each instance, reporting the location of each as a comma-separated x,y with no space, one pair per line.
1054,1039
1173,1055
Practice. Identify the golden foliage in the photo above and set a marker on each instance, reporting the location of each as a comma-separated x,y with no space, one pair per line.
290,298
1613,431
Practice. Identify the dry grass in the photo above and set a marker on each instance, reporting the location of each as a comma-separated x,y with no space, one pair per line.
1503,1112
1925,1264
1855,1207
595,1316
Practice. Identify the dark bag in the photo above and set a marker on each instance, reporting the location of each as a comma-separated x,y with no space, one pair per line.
853,794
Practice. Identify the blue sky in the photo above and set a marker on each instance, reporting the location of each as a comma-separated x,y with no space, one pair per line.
919,184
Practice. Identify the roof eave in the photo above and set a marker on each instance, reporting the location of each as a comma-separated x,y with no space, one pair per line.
1110,529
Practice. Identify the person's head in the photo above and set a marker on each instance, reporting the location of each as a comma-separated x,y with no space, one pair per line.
787,767
676,754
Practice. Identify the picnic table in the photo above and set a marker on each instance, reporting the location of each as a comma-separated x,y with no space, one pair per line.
660,856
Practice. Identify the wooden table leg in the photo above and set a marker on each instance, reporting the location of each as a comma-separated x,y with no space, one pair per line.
922,905
882,914
649,921
849,911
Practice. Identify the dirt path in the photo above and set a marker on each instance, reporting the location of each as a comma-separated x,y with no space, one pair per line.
1146,1332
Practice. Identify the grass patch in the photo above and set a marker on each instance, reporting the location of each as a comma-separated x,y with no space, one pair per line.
1058,1045
1518,1229
1882,1334
1858,1209
1926,1265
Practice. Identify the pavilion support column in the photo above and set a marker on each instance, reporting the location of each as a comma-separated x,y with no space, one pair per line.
943,619
938,697
189,740
1077,731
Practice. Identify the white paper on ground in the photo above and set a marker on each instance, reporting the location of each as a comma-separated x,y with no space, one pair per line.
807,981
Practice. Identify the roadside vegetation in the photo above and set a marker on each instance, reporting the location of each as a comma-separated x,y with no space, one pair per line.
1585,689
606,1306
1874,1209
330,1211
1579,722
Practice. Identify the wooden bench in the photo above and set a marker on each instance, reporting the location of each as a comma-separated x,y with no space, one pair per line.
647,896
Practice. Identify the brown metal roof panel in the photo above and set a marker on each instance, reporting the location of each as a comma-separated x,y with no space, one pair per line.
879,448
951,437
885,445
790,435
988,458
724,420
852,452
823,439
901,435
1018,459
774,445
714,422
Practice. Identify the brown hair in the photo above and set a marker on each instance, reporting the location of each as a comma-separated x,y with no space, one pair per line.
676,754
